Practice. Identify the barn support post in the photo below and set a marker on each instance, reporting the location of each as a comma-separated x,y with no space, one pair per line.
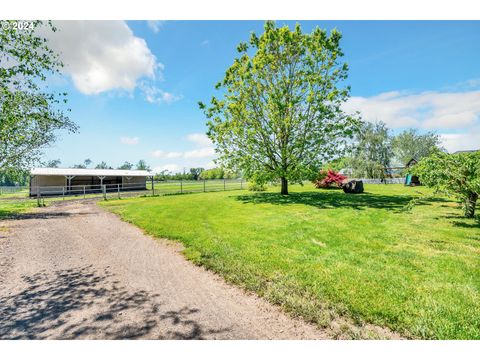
69,182
101,180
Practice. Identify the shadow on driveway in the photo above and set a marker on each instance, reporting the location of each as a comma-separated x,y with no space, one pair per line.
81,303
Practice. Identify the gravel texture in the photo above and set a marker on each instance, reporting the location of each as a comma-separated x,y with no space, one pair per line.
75,271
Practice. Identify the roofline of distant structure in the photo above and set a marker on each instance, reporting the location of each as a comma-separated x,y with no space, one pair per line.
465,151
88,172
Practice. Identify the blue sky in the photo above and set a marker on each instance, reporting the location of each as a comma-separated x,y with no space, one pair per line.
134,86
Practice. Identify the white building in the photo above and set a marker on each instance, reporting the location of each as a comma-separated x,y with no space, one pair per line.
55,181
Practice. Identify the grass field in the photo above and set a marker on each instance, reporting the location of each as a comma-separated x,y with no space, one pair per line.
323,254
12,208
22,193
185,186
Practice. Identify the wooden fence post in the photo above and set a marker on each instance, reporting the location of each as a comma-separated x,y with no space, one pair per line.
84,191
223,184
104,189
118,190
181,186
204,185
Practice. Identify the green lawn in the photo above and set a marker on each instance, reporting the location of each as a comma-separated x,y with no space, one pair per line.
11,208
23,193
323,254
186,186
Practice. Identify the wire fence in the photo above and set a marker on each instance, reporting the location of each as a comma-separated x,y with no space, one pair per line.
382,181
118,191
9,190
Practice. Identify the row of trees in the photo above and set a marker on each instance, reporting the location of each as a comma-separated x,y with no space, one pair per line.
141,165
198,174
375,149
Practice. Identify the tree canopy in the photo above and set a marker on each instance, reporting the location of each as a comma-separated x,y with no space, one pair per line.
409,144
53,163
373,151
142,165
454,174
280,114
103,165
126,166
30,114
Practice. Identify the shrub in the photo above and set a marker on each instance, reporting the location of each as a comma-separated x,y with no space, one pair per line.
453,174
255,186
329,178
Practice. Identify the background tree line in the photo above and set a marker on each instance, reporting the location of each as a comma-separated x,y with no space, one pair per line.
199,174
375,150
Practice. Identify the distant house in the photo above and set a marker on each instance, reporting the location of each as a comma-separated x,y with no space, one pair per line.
55,181
411,162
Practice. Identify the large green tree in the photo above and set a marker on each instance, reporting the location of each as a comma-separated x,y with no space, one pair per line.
454,174
280,114
409,144
30,114
126,166
53,163
142,165
103,165
373,150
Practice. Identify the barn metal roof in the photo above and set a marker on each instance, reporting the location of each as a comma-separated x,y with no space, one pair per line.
88,172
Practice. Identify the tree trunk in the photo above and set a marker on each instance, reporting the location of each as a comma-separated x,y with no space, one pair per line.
470,204
284,190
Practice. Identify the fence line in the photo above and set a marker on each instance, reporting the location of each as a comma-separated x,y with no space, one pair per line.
12,189
111,191
382,181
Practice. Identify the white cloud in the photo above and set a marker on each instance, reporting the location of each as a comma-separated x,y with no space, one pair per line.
429,110
205,145
102,55
193,154
210,165
172,168
155,25
464,85
204,150
129,140
205,43
199,139
200,153
461,141
166,155
156,95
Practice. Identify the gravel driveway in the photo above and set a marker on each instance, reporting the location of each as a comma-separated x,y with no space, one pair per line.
74,271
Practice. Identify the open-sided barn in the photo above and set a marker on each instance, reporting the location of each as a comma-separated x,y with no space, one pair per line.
54,181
